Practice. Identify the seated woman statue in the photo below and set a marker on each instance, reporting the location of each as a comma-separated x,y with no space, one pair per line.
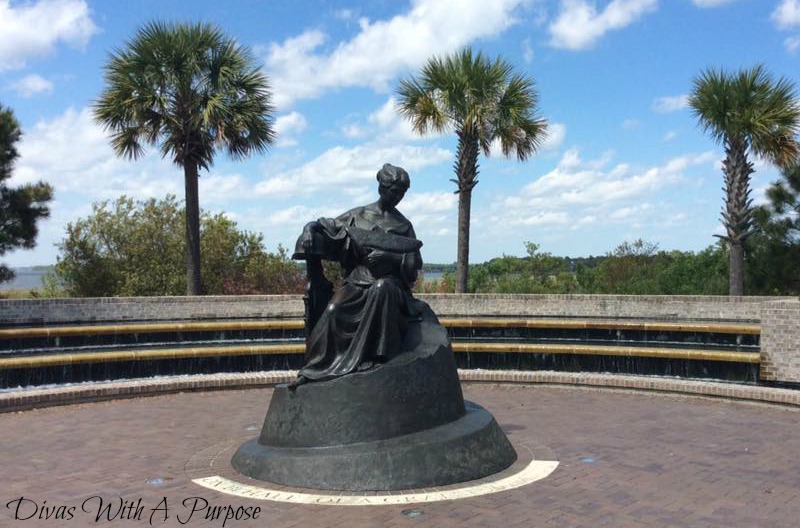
365,321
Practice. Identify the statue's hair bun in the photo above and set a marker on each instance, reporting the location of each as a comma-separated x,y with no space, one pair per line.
391,175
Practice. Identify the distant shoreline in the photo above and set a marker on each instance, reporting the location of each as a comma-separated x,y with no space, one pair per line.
28,278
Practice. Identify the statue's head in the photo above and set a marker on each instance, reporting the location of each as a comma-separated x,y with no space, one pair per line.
393,182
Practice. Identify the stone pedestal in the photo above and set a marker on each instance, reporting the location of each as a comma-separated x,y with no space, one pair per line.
401,425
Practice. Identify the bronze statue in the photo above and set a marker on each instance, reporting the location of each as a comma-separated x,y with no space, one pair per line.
363,323
385,410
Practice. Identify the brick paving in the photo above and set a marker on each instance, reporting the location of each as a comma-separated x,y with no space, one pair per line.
628,459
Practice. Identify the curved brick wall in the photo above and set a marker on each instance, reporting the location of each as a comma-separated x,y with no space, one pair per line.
779,316
661,307
108,309
780,341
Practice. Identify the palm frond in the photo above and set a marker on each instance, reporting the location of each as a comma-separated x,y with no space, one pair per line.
189,88
483,99
749,104
421,107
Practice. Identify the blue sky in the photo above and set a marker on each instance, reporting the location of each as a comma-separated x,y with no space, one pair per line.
624,159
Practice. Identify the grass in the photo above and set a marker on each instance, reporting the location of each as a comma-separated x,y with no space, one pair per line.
21,293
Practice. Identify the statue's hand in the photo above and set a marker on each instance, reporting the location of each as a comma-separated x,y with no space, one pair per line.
307,237
378,256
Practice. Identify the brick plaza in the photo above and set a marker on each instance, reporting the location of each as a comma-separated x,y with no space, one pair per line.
626,459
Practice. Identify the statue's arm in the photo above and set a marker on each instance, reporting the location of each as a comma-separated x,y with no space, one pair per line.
323,238
306,240
412,262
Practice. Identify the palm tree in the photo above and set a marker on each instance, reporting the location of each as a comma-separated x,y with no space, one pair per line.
193,90
483,101
751,115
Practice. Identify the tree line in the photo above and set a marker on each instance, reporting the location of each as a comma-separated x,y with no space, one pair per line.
771,254
136,248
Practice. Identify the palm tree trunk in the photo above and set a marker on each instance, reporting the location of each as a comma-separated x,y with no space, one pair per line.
194,285
462,259
467,172
736,269
738,214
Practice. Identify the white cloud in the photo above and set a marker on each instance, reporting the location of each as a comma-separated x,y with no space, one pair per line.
624,213
579,25
578,189
72,153
671,103
221,189
296,215
391,125
301,68
712,3
432,202
669,136
631,124
430,212
556,134
419,207
286,126
33,29
360,194
385,124
527,51
32,85
760,195
386,115
62,147
786,17
344,14
787,14
354,131
339,165
542,218
792,44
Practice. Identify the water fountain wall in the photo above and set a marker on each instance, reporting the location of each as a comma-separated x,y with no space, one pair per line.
780,332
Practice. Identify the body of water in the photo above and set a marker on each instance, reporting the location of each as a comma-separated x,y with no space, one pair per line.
432,275
26,279
31,278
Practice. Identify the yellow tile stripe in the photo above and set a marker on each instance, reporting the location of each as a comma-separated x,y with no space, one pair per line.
177,353
142,355
154,328
581,324
297,324
600,350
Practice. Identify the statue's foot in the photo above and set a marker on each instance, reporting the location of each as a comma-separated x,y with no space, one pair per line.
370,363
366,365
296,383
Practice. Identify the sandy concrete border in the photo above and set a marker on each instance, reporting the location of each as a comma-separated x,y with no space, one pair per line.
31,398
535,470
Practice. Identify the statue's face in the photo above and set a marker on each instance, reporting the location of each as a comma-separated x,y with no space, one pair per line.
392,195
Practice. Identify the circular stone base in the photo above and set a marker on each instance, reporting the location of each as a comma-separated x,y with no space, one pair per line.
469,448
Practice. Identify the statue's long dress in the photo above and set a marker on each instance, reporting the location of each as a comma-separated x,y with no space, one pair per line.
368,316
402,425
